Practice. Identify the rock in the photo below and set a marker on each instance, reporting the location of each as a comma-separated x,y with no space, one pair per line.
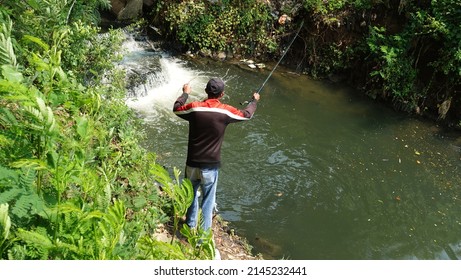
221,55
117,6
267,247
126,10
283,19
205,53
132,10
189,54
443,108
148,3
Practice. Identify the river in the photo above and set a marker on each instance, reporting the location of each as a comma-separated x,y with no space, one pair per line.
320,172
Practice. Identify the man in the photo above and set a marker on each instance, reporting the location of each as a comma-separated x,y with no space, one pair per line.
208,120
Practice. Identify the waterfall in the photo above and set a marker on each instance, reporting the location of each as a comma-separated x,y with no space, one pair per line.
155,79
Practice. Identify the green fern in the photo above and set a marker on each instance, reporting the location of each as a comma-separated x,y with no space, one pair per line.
10,194
17,189
38,241
74,230
7,176
7,55
111,229
12,88
157,250
5,224
7,119
104,195
43,120
180,192
201,241
85,233
27,178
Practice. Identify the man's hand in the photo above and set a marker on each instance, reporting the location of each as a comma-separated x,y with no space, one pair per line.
186,88
256,96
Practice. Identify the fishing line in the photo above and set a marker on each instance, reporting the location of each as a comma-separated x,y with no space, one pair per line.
225,75
193,78
278,62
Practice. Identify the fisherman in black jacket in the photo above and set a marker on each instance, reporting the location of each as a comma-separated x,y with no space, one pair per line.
208,120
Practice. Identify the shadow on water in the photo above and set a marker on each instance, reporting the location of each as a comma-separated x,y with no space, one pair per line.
320,172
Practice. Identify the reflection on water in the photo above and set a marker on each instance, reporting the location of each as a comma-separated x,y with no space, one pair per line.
319,172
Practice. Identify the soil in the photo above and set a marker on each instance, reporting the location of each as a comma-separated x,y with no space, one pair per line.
229,245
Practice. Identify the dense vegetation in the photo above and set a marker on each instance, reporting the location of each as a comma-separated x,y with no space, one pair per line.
407,53
74,181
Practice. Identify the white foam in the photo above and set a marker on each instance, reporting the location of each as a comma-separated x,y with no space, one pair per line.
160,98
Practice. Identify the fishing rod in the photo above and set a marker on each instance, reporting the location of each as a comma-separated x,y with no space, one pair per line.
278,62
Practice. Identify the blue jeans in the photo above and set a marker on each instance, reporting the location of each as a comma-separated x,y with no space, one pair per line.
207,180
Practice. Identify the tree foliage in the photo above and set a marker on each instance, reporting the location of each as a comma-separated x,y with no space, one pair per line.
405,52
234,26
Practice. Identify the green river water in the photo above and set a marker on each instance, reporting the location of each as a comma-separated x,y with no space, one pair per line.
320,172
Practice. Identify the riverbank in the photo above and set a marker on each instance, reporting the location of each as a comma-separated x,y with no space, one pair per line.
229,245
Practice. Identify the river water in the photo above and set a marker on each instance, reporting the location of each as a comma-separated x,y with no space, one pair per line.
320,172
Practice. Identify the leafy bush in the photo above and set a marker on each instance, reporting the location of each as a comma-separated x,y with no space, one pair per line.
411,49
237,26
395,72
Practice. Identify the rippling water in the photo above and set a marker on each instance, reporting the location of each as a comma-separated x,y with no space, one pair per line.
319,172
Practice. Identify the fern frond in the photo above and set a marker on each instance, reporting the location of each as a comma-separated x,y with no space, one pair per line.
27,178
105,4
29,163
47,114
15,90
158,250
7,55
22,206
110,229
37,41
76,219
19,193
36,114
7,176
103,198
43,119
38,239
68,208
10,195
7,119
7,139
116,214
72,248
5,222
161,176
